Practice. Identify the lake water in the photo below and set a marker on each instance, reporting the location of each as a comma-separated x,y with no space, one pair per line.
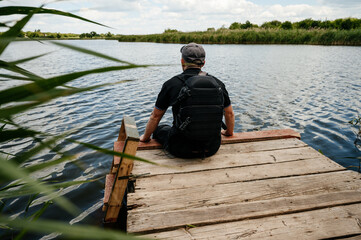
314,90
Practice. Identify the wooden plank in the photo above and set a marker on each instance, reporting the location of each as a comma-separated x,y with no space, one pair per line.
178,234
263,146
261,136
160,221
318,224
228,159
240,147
221,194
128,129
119,187
239,174
118,147
238,138
109,181
152,144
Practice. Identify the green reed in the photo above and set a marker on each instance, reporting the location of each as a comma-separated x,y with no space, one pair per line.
17,169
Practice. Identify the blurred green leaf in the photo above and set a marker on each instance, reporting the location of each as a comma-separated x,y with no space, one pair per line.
13,32
2,205
30,201
13,68
6,113
6,153
67,231
20,92
55,93
12,171
26,156
24,190
41,98
17,133
90,52
47,164
9,77
37,214
12,185
27,59
113,153
34,217
21,192
4,11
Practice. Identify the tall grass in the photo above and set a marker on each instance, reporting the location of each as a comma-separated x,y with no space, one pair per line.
17,179
255,36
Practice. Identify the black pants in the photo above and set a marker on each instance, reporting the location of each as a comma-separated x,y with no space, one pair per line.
180,146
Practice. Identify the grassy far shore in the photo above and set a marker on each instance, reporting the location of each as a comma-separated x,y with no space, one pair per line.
338,32
255,36
37,34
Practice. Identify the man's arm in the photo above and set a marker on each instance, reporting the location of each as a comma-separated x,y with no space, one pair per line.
152,124
229,117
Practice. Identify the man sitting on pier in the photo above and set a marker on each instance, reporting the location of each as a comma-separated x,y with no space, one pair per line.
198,102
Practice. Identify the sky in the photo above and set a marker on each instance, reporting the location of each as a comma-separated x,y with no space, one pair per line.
154,16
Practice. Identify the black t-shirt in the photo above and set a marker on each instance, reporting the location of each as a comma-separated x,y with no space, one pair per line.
170,90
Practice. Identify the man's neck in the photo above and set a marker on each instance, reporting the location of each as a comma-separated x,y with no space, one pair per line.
191,67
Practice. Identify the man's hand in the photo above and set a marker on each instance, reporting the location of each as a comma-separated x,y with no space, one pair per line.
143,139
225,133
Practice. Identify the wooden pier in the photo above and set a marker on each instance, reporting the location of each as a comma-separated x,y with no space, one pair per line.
260,185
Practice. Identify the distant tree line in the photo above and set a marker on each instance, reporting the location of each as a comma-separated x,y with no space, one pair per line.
337,32
44,35
308,24
38,34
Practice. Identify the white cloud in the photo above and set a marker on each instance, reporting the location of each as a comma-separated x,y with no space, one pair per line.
153,16
343,3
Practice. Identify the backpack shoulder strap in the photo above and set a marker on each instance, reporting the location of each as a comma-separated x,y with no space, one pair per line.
184,77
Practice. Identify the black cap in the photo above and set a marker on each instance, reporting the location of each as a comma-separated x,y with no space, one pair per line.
193,53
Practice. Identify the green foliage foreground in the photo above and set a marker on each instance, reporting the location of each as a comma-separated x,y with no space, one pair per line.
16,169
255,36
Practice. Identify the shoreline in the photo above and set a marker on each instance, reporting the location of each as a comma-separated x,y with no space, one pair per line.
255,36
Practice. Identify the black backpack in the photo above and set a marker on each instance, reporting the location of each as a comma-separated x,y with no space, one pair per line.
201,108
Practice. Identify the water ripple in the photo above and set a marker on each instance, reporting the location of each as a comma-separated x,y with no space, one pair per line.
312,89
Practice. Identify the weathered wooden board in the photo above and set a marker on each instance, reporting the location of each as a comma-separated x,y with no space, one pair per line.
237,174
325,223
161,221
239,137
109,181
221,160
233,148
220,194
